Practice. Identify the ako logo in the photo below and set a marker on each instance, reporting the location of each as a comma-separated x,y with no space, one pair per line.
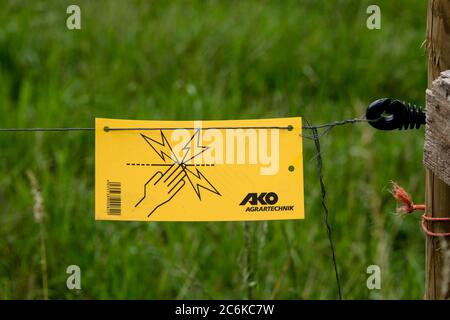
263,198
264,201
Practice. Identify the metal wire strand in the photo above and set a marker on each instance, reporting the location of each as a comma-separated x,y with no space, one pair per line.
325,210
327,126
44,129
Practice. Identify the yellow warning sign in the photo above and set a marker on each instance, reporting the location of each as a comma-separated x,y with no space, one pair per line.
229,170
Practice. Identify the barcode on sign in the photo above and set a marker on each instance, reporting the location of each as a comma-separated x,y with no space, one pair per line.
114,197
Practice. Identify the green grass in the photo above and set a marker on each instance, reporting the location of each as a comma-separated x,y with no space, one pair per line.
210,60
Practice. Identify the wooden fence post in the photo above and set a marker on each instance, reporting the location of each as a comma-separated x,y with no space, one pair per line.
437,145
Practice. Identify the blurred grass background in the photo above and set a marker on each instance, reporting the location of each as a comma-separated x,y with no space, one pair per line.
210,60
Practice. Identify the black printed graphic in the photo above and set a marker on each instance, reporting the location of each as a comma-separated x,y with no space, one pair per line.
114,197
163,185
263,198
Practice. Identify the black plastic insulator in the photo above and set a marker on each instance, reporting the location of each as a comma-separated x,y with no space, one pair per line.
388,114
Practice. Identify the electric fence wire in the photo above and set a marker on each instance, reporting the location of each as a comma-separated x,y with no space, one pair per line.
325,208
327,126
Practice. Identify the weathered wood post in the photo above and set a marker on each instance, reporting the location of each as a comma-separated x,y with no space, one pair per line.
437,145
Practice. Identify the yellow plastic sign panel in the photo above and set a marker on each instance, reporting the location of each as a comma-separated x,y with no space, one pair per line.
231,170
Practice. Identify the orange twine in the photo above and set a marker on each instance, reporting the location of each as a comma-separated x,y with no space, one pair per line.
408,207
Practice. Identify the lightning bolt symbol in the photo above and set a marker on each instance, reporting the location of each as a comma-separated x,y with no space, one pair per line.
195,177
197,148
162,148
198,180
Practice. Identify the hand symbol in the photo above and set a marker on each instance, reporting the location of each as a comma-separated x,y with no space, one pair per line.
162,187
